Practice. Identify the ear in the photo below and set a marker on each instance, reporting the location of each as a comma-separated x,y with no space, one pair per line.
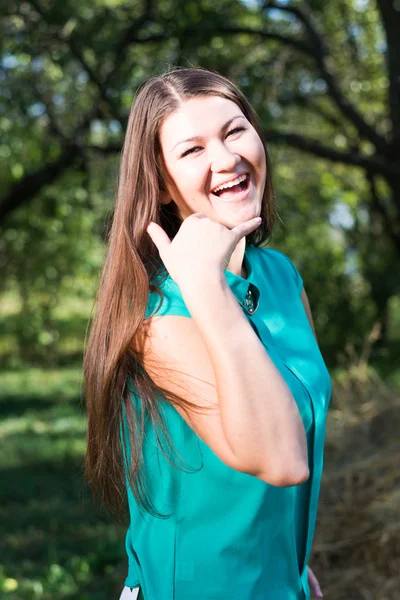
165,197
165,192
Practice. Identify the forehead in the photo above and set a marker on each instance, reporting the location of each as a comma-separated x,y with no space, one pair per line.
199,117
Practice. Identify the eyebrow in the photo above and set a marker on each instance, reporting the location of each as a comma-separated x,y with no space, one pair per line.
198,137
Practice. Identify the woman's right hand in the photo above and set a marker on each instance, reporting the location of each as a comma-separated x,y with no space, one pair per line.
202,247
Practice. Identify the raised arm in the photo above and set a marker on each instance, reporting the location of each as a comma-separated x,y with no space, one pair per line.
216,360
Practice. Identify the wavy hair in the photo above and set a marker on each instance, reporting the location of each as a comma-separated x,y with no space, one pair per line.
113,360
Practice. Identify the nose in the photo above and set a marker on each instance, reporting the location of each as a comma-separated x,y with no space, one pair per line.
222,159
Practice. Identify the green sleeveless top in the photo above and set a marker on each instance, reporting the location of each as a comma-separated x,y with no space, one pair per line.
229,534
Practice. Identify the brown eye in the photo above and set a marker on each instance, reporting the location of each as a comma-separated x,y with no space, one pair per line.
236,130
190,151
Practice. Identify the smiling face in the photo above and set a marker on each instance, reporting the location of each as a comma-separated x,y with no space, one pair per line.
215,161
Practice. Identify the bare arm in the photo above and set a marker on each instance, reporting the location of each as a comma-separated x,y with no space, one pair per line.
216,359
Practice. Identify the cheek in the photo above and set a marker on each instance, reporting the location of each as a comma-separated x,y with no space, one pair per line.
258,152
190,177
178,180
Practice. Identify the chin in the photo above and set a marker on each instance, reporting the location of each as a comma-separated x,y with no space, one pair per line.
241,217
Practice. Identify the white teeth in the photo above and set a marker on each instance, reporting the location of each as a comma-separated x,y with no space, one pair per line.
230,184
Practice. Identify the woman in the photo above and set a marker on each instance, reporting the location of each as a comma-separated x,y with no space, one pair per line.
206,391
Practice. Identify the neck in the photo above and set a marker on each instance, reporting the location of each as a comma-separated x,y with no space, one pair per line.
236,264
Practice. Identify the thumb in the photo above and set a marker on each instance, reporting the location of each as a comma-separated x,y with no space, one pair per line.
158,236
245,228
314,584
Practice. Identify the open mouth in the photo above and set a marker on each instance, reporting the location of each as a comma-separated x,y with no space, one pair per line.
233,188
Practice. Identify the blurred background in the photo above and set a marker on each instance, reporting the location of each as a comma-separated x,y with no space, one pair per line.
324,78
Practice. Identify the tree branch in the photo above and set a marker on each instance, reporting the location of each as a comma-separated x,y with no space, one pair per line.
45,98
381,209
228,30
309,101
130,34
321,57
32,183
74,47
27,187
343,7
391,21
370,164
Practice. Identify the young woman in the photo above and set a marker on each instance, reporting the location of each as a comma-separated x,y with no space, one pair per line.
206,391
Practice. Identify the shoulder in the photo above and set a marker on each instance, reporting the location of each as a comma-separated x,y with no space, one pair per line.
281,266
167,300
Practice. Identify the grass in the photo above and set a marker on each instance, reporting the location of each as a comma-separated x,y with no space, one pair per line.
356,548
54,544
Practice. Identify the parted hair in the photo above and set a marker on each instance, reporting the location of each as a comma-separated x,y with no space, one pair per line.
113,358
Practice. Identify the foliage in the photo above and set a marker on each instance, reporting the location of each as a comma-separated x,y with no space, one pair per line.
324,78
318,75
54,251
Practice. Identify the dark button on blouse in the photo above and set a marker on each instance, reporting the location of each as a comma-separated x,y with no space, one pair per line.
250,303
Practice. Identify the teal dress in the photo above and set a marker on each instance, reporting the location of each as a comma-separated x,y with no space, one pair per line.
229,534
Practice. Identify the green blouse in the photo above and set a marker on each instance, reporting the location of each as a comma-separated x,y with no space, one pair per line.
229,534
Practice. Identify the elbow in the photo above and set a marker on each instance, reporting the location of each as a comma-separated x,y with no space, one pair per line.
296,477
285,477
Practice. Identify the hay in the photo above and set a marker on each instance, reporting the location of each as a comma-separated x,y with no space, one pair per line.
356,553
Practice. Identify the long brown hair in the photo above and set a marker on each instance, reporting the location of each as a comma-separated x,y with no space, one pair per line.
113,362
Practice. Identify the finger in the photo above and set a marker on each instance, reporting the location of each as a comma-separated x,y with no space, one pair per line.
314,585
159,236
245,228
